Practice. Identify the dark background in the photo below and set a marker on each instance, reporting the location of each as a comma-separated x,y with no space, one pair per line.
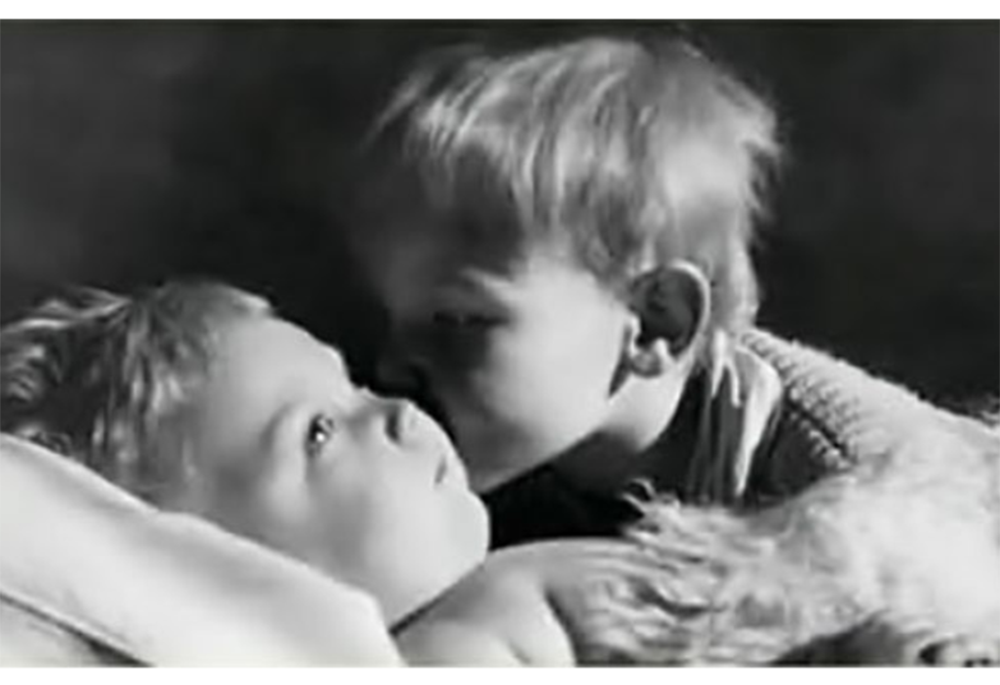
134,151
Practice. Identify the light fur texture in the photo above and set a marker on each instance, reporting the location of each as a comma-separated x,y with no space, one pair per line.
895,561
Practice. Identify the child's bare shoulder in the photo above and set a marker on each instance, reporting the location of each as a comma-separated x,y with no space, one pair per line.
510,611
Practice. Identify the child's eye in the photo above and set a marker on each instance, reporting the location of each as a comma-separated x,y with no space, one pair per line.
320,431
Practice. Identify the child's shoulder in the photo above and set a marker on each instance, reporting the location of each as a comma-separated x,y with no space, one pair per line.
498,615
554,603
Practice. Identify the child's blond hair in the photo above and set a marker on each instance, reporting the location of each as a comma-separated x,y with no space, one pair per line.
98,376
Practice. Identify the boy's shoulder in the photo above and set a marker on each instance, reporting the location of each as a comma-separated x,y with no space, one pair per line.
834,415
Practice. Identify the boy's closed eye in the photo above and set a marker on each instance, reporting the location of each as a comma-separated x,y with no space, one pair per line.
463,321
458,339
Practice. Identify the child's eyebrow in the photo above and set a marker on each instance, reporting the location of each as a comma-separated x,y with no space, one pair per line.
339,366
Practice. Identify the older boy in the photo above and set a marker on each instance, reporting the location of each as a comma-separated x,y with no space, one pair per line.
561,240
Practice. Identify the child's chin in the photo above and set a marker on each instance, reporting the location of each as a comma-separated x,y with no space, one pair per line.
478,531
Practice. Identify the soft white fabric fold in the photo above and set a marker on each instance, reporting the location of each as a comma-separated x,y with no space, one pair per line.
167,589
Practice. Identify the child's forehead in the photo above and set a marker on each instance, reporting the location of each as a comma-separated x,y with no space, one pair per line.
258,339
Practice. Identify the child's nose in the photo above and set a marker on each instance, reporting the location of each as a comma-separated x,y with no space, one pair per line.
412,429
401,421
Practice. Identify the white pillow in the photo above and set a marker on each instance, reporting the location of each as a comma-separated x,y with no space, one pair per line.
167,589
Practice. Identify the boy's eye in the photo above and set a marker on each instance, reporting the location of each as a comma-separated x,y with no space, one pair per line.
320,431
462,320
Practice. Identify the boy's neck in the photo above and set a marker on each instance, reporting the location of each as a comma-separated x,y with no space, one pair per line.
646,420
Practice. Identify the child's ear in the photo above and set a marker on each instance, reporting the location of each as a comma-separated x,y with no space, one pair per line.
670,306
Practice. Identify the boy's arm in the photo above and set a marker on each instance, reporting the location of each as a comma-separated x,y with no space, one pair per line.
166,589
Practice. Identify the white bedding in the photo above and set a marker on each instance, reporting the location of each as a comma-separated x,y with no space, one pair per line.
166,589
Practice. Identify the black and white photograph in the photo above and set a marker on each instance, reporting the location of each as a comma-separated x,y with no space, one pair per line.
483,343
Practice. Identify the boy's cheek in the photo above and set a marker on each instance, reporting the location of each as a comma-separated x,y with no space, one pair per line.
502,394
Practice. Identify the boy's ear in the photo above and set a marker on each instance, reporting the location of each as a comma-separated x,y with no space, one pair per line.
670,306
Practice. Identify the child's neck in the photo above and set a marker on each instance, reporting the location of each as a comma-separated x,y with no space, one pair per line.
645,420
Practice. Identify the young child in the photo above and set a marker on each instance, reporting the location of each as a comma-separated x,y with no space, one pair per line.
561,240
198,399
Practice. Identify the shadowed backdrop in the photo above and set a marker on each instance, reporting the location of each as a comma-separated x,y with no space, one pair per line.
136,151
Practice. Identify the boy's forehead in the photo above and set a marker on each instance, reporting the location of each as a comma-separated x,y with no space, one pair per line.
412,269
470,223
441,270
429,247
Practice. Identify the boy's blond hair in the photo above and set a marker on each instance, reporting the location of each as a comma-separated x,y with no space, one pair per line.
618,153
98,376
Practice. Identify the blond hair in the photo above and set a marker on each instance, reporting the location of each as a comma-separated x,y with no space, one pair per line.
610,149
97,376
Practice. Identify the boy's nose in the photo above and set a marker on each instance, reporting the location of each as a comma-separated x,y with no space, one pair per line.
396,375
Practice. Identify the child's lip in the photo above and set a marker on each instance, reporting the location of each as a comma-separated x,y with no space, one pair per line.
442,470
449,471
